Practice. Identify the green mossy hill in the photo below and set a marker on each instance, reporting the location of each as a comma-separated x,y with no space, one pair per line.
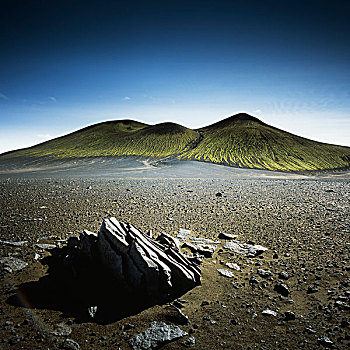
245,141
239,141
115,138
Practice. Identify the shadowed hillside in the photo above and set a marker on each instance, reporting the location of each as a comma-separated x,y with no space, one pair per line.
240,141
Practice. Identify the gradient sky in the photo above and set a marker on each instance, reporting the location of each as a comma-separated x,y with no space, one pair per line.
68,64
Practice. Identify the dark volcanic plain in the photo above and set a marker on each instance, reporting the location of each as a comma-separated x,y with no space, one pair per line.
302,220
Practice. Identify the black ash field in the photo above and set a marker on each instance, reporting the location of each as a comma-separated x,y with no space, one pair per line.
302,220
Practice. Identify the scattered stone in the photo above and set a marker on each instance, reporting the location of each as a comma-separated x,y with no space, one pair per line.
283,275
44,246
233,266
189,342
203,241
42,238
16,339
218,194
226,273
282,289
180,317
304,230
155,336
70,344
25,322
289,316
12,264
342,305
227,236
253,280
269,313
206,250
129,326
309,330
248,250
264,284
264,273
234,322
92,311
14,244
311,290
62,330
324,341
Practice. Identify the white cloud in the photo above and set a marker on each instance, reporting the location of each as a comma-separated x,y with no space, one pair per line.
126,98
3,97
52,98
258,111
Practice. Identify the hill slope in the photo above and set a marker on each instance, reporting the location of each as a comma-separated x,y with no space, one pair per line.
240,141
115,138
245,141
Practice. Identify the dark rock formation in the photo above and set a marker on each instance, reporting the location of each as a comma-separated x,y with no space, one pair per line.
135,261
107,276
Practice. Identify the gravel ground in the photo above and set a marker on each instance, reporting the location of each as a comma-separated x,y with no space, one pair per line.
303,277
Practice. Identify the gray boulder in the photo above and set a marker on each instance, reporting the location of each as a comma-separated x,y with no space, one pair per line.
248,250
155,336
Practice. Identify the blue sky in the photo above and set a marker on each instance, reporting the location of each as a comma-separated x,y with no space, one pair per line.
68,64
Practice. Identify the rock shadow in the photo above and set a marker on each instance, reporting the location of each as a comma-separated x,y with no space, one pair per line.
92,295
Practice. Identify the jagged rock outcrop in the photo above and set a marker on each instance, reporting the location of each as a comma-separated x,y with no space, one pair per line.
135,261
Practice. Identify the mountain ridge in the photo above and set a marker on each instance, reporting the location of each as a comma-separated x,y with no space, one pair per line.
239,117
240,140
